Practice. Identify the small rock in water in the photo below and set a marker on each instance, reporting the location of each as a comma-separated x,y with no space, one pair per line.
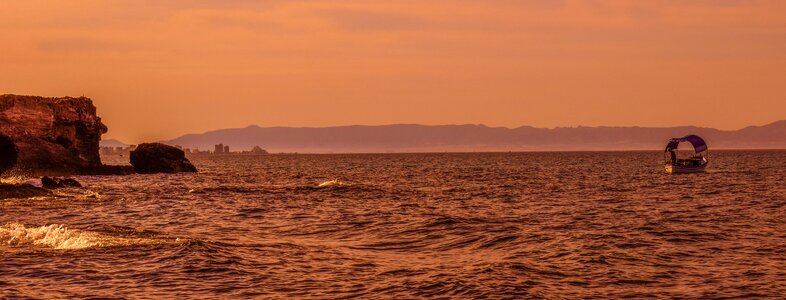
49,183
55,183
21,191
70,182
151,158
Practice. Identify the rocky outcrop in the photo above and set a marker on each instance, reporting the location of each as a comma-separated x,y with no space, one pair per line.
160,158
8,153
52,135
56,183
22,191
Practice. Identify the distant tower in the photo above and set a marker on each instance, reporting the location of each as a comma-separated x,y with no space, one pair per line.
226,149
219,149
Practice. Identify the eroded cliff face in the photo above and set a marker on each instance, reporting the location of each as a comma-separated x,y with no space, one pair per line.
8,153
53,135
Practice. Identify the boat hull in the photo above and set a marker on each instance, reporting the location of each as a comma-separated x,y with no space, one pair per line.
675,169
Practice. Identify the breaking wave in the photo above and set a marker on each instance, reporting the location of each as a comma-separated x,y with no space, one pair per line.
18,179
330,183
59,237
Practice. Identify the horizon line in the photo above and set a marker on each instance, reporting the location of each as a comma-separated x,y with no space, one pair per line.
455,124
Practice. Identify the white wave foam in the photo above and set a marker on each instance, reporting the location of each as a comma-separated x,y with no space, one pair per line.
13,179
60,237
334,182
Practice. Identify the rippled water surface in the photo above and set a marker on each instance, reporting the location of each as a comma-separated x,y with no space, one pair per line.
503,225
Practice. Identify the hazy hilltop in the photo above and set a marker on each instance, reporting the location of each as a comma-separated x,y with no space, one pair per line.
113,143
424,138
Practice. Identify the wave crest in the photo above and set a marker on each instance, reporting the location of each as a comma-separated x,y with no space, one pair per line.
330,183
16,179
57,236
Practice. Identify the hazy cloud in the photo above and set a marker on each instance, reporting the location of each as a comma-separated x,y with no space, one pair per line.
80,44
361,20
238,19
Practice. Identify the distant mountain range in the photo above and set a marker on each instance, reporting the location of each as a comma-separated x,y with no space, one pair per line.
113,143
471,138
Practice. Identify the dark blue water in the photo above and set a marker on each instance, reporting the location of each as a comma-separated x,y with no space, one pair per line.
495,225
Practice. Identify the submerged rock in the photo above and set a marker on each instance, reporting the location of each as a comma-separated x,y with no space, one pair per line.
55,183
159,158
52,135
8,153
22,191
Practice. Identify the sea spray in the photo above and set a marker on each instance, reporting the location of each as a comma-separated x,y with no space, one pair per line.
16,179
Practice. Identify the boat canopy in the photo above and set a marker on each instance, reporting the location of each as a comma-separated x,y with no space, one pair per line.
698,143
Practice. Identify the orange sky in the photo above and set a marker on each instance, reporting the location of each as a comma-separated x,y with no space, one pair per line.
159,69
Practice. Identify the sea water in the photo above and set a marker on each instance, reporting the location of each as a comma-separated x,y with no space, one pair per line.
474,225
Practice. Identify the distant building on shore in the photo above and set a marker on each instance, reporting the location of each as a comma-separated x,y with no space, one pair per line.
121,151
221,149
258,150
196,151
218,149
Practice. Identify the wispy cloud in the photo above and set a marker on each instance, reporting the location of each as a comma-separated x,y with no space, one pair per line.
80,44
368,20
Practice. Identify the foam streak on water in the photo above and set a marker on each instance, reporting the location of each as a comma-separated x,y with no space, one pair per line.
409,226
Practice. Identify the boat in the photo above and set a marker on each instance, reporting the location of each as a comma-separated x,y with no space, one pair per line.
696,163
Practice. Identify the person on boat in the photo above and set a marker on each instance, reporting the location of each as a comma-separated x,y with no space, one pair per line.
697,160
673,156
